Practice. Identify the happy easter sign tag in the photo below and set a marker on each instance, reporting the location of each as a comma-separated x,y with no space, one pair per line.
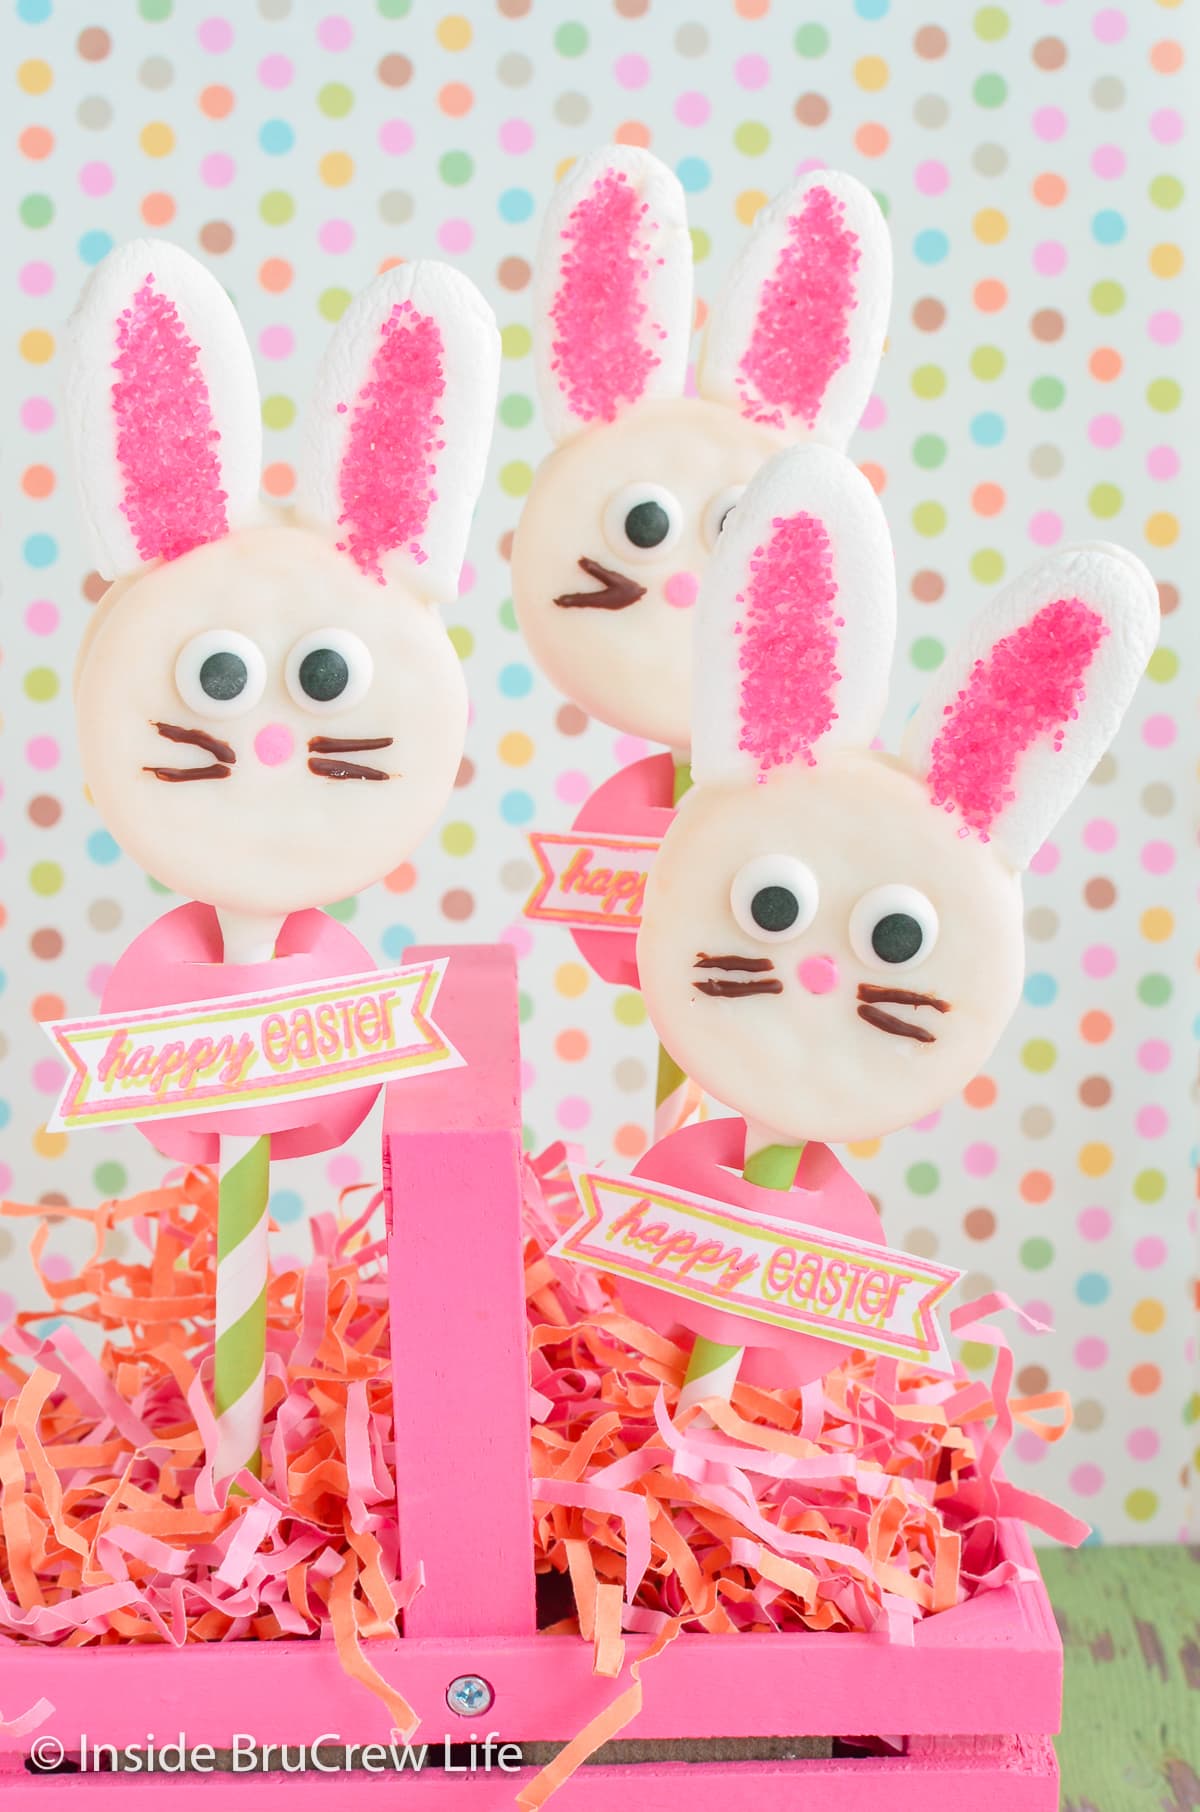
590,883
760,1268
247,1050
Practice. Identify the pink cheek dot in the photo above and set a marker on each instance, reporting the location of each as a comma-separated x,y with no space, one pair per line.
1108,162
519,938
818,974
95,179
36,279
1164,327
1166,126
1104,431
1154,1055
41,617
456,235
1142,1443
1098,961
516,136
1162,462
680,590
1087,1480
931,178
979,1160
1049,123
41,752
1045,860
752,72
1095,1223
1159,732
216,170
629,748
1151,1123
97,979
1100,834
37,414
1091,1352
1158,858
573,1113
274,744
396,137
215,35
632,71
572,787
343,1170
48,1075
275,72
1150,1252
276,342
692,109
875,413
1049,258
1045,528
334,33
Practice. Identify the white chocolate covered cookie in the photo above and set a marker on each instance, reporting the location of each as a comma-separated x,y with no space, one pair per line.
622,517
270,713
832,938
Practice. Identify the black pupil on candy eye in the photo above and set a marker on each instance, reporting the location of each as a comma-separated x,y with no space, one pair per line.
223,675
897,937
324,674
647,524
774,908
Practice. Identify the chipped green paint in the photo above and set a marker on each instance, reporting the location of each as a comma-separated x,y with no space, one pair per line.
1130,1622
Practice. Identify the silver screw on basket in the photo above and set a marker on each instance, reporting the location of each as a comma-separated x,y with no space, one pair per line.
469,1695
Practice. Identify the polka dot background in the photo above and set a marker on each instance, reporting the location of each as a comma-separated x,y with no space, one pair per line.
1030,159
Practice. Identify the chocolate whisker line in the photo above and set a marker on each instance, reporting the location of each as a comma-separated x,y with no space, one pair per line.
900,1028
617,590
330,769
901,997
720,989
199,739
347,745
752,964
217,771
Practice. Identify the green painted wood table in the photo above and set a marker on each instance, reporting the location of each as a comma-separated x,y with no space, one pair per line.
1130,1621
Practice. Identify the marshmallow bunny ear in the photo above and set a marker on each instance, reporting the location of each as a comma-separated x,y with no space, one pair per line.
1025,706
162,408
795,336
400,425
612,298
795,621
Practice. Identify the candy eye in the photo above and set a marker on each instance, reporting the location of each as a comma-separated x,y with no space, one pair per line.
329,670
894,927
717,510
774,897
220,673
642,521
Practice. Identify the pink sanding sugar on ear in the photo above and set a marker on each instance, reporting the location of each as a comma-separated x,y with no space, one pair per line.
789,644
172,496
599,312
801,331
385,482
1027,688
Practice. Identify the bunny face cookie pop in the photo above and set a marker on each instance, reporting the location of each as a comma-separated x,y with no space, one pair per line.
270,714
832,938
623,516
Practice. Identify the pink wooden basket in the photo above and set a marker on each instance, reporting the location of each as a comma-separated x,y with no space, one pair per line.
976,1698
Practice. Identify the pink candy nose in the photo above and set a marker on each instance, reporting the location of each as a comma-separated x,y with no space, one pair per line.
680,590
818,974
273,744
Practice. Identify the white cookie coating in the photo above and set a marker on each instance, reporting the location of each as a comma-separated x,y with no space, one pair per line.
630,666
800,1059
269,835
